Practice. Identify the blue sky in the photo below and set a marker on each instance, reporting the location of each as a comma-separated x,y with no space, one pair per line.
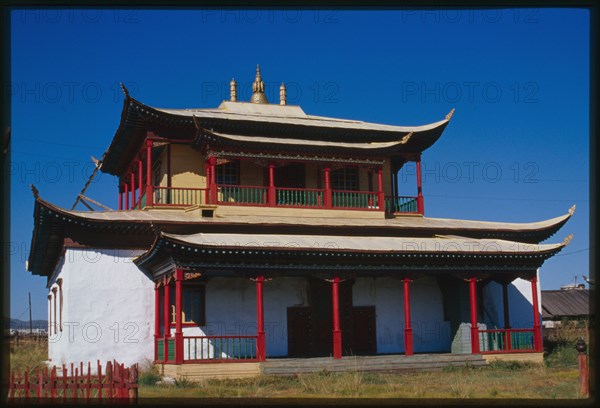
516,150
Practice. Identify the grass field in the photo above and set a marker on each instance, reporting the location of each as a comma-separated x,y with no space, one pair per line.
558,378
495,381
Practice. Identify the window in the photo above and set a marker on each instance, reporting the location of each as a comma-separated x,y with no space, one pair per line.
345,178
192,310
228,173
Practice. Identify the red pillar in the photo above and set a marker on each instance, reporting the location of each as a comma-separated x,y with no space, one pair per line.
140,179
156,320
126,193
328,200
213,180
506,315
474,328
132,190
261,351
271,198
420,203
166,318
537,328
178,316
408,332
380,195
120,197
337,333
149,192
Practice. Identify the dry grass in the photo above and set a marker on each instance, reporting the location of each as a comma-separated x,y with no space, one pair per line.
28,354
498,381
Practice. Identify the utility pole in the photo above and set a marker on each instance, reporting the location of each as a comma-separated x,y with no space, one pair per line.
30,321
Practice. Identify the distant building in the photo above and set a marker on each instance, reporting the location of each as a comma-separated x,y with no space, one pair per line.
253,231
570,302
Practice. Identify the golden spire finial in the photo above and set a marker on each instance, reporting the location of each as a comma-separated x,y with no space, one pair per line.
233,90
572,210
282,95
258,89
450,114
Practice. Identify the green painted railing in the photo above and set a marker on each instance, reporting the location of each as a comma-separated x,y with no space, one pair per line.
299,197
242,195
400,204
354,199
219,348
506,340
178,196
161,349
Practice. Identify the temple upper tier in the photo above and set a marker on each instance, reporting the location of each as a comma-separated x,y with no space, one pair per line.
256,154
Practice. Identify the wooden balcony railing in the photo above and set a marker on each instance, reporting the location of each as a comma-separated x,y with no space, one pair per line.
160,349
280,197
299,197
219,348
401,204
366,200
242,195
178,196
506,340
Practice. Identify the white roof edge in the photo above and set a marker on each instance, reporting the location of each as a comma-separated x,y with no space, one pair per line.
376,244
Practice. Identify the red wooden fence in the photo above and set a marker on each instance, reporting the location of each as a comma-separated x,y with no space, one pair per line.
118,382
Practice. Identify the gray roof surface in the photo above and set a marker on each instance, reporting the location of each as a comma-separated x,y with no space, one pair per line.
565,303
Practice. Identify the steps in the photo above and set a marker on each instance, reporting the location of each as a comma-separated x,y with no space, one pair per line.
290,366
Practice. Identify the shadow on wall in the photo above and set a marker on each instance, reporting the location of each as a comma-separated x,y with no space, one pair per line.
519,305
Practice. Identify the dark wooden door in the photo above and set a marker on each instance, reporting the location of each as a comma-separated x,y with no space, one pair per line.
364,334
300,333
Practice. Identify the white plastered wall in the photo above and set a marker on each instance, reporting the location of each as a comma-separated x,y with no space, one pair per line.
108,309
430,332
520,300
231,310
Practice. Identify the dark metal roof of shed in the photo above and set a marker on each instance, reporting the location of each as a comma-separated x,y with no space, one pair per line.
565,303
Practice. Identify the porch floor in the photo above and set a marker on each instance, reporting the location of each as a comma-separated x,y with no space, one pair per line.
291,366
391,362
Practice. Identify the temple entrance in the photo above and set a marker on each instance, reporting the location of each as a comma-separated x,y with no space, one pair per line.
310,328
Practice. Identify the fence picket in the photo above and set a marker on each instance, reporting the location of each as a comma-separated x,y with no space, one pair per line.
120,382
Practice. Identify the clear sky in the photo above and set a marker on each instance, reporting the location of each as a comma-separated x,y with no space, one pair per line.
516,150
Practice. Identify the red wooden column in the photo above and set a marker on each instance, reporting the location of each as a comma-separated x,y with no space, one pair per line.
126,193
132,189
537,328
140,179
408,332
337,333
328,200
420,203
271,194
156,320
474,328
166,318
208,168
149,192
120,196
261,351
213,180
178,316
506,315
380,195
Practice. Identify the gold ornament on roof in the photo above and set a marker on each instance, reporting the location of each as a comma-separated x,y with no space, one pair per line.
449,115
258,89
282,95
567,239
572,210
233,90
